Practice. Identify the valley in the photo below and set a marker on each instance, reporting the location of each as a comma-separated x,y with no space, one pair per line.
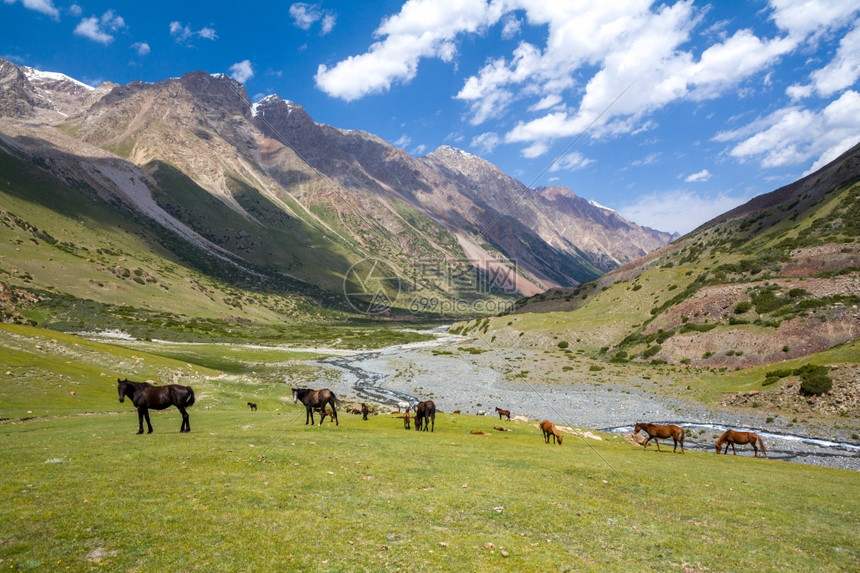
199,229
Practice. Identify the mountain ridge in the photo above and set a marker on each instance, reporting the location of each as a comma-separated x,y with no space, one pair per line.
266,186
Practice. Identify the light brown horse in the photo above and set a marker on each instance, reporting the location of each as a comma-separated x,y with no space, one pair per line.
655,431
731,437
549,429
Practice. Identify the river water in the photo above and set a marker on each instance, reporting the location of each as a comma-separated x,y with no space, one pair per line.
414,372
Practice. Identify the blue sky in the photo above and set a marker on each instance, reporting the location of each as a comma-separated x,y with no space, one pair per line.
670,113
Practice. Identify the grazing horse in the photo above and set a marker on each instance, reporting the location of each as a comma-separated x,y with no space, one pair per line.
731,437
403,406
549,429
655,431
503,413
253,406
145,396
425,415
317,399
406,420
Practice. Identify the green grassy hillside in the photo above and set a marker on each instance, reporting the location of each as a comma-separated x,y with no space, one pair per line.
737,306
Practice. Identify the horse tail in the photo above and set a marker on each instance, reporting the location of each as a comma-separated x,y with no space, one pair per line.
761,443
189,400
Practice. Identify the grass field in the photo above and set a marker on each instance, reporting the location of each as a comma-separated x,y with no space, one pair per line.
254,491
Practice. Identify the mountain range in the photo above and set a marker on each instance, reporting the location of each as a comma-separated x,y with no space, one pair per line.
181,210
260,194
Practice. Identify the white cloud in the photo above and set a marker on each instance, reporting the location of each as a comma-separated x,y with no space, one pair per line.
548,102
142,48
182,33
803,17
795,135
842,72
403,141
75,10
306,15
486,142
44,6
422,29
571,162
327,25
604,68
512,27
242,71
649,159
640,70
699,177
207,33
100,30
679,210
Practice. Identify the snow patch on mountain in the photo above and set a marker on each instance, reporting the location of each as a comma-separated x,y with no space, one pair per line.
594,203
34,75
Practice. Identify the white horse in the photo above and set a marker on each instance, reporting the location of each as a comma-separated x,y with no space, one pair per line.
403,406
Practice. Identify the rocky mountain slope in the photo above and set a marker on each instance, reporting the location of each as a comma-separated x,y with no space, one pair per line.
775,280
263,191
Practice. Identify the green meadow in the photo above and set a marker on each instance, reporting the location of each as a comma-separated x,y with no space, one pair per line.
261,491
254,491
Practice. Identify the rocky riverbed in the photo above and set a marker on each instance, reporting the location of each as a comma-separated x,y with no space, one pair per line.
475,382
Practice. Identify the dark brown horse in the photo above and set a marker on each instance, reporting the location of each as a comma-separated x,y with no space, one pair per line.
145,396
425,415
317,399
549,429
506,413
655,431
732,437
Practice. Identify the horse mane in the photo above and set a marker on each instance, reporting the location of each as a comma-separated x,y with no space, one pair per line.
136,386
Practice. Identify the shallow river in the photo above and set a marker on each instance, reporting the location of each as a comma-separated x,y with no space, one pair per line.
413,373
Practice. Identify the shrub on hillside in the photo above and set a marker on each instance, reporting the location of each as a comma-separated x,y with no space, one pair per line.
814,379
767,301
651,351
780,373
620,356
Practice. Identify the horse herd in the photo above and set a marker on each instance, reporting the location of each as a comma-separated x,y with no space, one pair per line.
677,433
145,396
